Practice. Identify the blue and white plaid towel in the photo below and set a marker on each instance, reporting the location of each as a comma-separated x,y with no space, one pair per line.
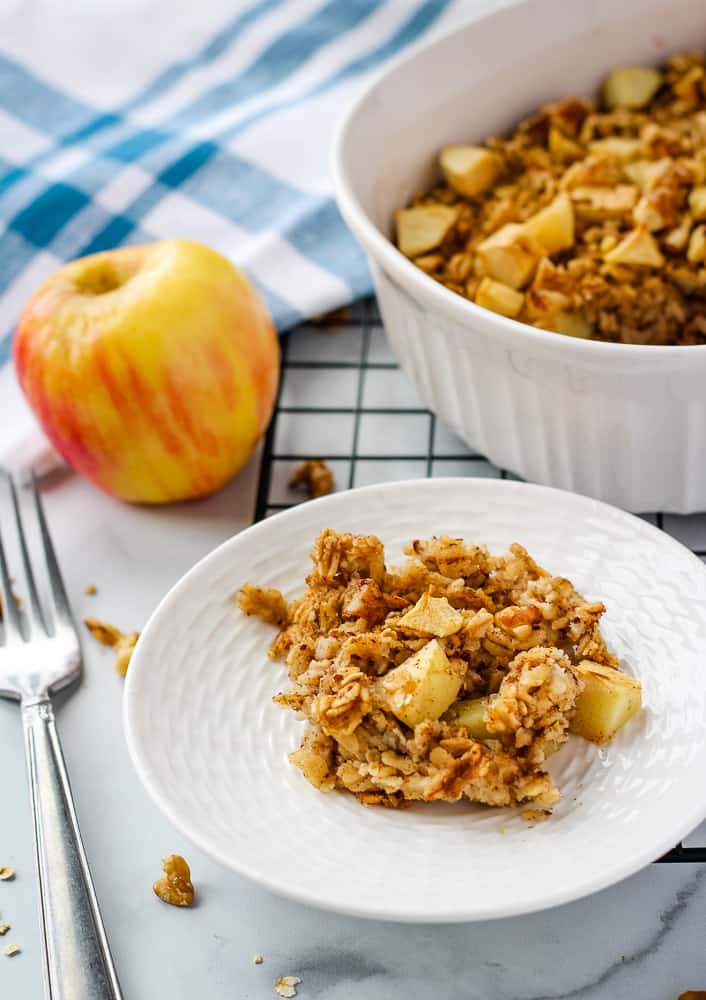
126,121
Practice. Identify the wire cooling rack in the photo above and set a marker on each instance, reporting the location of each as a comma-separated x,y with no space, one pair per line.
343,398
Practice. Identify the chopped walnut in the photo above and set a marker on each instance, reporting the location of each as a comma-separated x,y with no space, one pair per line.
175,885
285,986
315,476
109,635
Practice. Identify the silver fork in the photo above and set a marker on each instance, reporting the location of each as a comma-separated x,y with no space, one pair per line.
39,655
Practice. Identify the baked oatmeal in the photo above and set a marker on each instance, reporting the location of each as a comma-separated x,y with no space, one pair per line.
455,675
589,220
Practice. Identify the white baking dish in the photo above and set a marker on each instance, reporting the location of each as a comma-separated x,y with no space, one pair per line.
623,423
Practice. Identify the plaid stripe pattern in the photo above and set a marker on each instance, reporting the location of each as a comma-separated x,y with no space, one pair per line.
228,146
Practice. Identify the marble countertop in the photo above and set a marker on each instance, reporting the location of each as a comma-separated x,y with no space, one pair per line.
644,938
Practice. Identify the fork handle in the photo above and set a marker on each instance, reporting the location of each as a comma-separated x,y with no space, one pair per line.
77,959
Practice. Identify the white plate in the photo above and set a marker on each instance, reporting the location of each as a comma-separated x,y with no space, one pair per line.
211,747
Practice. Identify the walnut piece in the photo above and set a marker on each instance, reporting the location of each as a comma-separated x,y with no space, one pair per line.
315,475
175,885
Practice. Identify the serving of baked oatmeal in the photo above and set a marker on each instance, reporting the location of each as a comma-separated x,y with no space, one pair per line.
589,220
453,676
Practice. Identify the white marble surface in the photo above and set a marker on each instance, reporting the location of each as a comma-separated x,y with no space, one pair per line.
645,938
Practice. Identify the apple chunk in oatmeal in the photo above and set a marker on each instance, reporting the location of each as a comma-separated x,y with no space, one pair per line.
453,676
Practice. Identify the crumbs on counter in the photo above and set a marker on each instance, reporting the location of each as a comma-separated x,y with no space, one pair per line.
316,477
11,949
175,886
258,959
6,873
109,635
4,928
90,589
286,986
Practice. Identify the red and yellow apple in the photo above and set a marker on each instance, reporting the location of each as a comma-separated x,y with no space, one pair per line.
152,369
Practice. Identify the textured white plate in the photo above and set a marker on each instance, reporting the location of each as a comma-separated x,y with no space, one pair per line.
211,747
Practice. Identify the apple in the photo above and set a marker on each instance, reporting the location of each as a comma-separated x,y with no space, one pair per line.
152,369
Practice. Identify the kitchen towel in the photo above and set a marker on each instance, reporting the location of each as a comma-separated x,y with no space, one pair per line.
127,121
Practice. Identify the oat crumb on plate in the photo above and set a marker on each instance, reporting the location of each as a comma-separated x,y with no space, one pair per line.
6,873
11,949
315,475
109,635
175,886
536,815
4,928
286,986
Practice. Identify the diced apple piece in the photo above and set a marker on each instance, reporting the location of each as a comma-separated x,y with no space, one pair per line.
422,687
677,238
498,297
617,147
639,248
632,87
510,255
697,202
468,170
599,203
697,245
608,700
572,325
651,213
646,173
423,228
432,616
470,713
553,227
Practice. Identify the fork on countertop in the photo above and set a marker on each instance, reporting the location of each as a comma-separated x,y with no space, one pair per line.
39,655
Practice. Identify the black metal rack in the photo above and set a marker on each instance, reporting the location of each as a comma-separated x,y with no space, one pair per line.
364,384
